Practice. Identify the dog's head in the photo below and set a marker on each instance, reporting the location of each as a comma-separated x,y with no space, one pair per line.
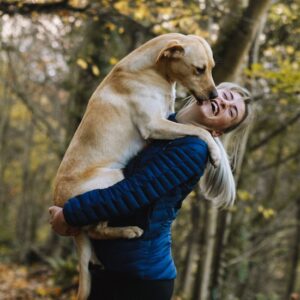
190,63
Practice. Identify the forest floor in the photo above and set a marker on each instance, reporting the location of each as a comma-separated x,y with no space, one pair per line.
20,282
28,283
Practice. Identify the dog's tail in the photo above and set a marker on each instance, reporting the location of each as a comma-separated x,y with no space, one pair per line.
84,249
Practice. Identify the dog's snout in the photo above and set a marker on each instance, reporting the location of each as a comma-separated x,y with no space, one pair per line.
213,94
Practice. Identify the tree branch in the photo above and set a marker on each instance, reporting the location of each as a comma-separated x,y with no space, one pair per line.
15,89
278,162
92,10
275,133
261,244
16,7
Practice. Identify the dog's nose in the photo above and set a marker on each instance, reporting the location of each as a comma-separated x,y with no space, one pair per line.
213,94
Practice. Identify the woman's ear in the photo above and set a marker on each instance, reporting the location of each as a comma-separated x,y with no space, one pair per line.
216,133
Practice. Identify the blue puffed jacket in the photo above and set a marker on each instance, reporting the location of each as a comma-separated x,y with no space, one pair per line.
156,182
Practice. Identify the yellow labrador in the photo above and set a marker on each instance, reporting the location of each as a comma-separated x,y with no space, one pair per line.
128,107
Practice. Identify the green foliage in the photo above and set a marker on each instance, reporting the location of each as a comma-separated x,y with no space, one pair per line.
56,60
261,296
284,78
243,272
64,269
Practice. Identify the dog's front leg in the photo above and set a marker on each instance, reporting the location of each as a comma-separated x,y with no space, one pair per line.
164,129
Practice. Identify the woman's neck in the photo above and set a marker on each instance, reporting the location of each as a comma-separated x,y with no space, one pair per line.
187,115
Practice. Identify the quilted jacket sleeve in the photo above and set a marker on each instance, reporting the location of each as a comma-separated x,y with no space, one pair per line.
177,164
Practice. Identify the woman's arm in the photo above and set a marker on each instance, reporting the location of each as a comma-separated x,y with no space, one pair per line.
184,159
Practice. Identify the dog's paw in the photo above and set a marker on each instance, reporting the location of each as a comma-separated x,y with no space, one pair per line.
132,232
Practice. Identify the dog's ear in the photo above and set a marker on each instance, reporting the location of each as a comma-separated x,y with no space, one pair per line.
173,50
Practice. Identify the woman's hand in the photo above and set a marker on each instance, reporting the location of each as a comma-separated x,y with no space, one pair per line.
59,224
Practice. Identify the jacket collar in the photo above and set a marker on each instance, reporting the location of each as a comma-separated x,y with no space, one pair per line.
172,117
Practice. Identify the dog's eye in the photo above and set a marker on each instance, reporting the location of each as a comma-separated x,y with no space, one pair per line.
200,70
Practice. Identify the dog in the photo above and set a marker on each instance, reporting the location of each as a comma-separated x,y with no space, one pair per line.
130,106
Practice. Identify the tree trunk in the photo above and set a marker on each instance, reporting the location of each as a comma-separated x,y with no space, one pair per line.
24,211
192,253
234,41
202,249
207,266
82,82
221,240
244,31
291,286
202,282
5,107
254,51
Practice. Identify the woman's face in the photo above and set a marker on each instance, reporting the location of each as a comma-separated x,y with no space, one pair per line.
226,110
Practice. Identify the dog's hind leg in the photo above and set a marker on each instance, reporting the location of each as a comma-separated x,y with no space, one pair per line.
84,249
104,232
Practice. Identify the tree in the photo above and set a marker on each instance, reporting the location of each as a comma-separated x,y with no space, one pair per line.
53,55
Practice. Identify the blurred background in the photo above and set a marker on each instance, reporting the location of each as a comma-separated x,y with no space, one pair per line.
53,55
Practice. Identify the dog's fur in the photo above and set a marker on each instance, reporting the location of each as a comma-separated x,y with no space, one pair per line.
130,106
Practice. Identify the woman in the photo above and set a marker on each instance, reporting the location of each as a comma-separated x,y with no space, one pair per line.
156,182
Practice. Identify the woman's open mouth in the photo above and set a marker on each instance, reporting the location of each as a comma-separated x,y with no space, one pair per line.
214,107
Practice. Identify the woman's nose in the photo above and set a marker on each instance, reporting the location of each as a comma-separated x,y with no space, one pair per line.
224,104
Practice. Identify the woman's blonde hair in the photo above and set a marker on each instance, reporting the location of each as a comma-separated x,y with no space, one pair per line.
236,136
218,184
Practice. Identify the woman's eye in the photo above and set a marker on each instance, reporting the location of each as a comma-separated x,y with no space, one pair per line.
234,112
200,70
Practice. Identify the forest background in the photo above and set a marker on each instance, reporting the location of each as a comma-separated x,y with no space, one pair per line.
54,53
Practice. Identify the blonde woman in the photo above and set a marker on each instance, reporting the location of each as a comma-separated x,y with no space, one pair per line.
156,182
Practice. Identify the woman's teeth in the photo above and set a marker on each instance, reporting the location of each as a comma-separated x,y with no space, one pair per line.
214,108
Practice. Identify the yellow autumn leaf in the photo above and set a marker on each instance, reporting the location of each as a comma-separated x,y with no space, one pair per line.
266,213
20,113
41,291
290,49
193,194
232,208
260,208
111,26
244,195
271,212
167,11
82,63
113,60
73,297
74,2
248,209
95,70
141,13
158,29
121,30
56,291
283,102
122,6
34,15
